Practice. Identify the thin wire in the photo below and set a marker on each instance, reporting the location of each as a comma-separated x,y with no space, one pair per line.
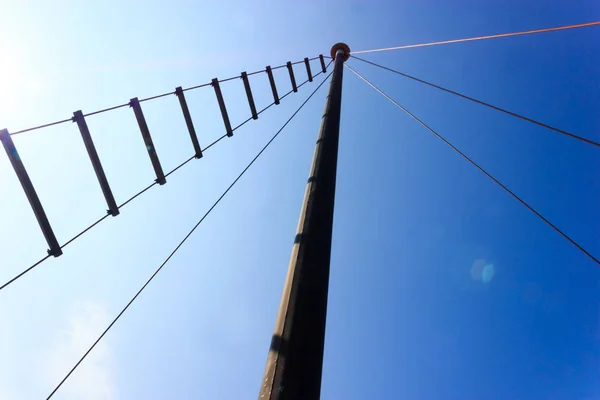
266,108
273,103
48,256
573,242
286,95
181,165
138,193
303,83
83,232
197,87
40,127
157,96
464,96
314,76
24,272
185,239
142,100
215,142
292,91
242,124
229,79
410,46
257,72
106,109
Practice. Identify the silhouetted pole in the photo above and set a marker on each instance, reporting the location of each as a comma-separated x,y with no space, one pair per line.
295,360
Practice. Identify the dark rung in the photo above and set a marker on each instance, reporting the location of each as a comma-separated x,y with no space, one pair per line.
272,82
215,84
249,94
78,117
323,67
139,115
292,78
188,121
32,196
308,72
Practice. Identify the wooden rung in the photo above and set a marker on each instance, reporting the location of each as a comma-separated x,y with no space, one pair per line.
272,82
139,115
308,72
292,78
215,85
78,117
30,192
249,95
188,121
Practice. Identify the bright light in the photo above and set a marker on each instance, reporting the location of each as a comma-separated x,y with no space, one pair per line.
482,271
18,86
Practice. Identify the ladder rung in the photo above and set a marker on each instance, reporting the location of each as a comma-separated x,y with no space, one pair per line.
188,121
272,82
78,117
292,78
215,85
323,67
30,192
139,116
249,95
308,72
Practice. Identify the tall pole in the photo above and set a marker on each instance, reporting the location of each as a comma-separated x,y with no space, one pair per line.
295,360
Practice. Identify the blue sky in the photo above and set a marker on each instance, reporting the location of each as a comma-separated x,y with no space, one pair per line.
413,224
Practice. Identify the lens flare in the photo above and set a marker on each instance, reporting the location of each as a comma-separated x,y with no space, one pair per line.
488,273
482,271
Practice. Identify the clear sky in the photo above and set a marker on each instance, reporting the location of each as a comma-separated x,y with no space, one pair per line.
415,225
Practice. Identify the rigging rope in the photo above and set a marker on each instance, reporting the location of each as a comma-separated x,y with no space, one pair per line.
410,46
147,99
477,166
464,96
25,271
185,239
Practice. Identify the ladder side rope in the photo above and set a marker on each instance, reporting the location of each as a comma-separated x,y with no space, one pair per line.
464,96
186,238
62,121
573,242
37,263
410,46
135,104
